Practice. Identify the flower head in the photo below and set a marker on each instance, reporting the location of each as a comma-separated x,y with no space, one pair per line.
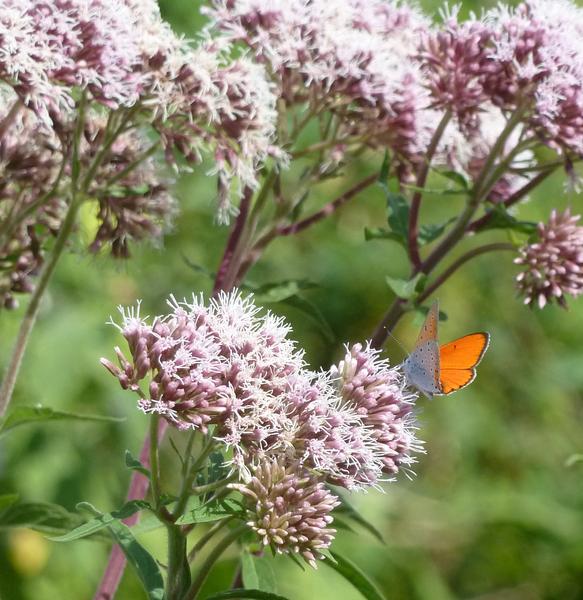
289,509
553,265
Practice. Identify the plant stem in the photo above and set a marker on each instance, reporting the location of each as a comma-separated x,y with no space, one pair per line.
327,210
32,309
154,463
441,279
202,542
422,173
211,559
517,196
137,490
178,579
222,279
211,487
459,229
392,316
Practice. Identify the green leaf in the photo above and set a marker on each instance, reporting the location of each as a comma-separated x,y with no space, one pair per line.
244,593
456,177
429,233
135,465
51,519
378,233
258,573
7,500
500,218
311,311
350,512
102,521
24,415
140,559
422,313
283,290
384,172
406,288
198,511
573,460
398,215
355,576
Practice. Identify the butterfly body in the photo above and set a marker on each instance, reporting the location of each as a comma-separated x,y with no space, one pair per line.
435,369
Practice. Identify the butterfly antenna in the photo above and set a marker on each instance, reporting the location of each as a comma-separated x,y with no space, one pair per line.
390,333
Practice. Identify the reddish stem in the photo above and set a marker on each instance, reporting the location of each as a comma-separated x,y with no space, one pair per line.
512,200
327,210
137,490
226,266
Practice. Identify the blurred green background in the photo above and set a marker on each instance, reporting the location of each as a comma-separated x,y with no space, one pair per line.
494,512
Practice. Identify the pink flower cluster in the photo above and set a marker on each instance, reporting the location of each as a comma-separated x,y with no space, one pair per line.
222,364
552,265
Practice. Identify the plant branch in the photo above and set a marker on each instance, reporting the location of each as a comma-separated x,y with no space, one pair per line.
517,196
327,210
211,560
222,280
462,260
422,172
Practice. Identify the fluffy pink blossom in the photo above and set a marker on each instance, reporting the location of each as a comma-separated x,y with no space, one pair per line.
553,265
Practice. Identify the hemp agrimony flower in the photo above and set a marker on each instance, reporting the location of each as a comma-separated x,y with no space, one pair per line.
553,265
222,364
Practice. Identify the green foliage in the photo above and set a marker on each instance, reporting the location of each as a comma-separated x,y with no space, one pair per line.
355,576
25,415
258,573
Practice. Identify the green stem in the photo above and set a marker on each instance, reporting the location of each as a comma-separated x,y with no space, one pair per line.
31,313
207,537
178,579
211,560
459,229
29,319
211,487
154,462
188,475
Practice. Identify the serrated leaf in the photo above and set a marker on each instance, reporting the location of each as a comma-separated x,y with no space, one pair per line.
198,511
102,521
347,509
429,233
258,573
141,560
355,576
25,415
500,218
7,500
406,288
134,464
44,517
244,593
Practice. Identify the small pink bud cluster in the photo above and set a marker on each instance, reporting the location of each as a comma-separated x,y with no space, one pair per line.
553,265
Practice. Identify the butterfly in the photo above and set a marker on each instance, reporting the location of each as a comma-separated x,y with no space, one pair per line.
437,370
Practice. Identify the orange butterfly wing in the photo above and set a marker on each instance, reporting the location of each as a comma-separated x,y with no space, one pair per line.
458,361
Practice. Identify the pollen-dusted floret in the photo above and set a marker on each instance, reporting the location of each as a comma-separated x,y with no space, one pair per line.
289,509
553,265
